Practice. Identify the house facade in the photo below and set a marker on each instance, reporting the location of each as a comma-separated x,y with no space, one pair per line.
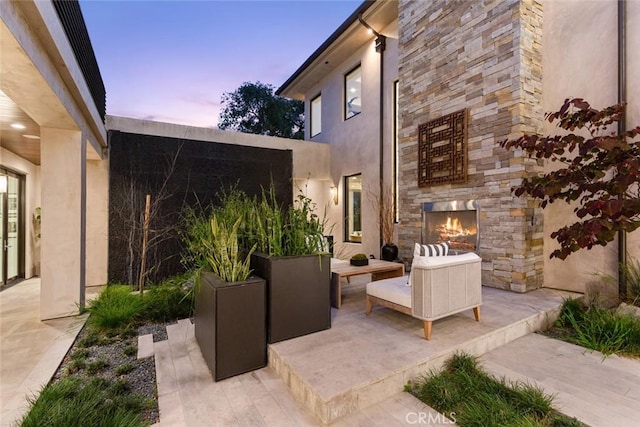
52,154
484,72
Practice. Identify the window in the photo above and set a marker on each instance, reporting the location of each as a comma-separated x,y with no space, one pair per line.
316,115
353,208
353,93
396,149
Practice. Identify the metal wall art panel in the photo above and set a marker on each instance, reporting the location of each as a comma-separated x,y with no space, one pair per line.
442,150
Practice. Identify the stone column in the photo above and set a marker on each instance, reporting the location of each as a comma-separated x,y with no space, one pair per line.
63,179
97,222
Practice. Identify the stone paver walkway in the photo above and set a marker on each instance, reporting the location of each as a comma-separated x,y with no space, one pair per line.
598,391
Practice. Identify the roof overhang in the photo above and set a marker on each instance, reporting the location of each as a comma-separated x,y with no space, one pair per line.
348,38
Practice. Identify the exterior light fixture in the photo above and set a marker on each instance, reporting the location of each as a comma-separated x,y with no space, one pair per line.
381,41
334,194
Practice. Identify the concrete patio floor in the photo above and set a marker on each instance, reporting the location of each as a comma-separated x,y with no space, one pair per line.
351,374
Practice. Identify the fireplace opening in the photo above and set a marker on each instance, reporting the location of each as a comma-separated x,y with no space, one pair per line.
455,222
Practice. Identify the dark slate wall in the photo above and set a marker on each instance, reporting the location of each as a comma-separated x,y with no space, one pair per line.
177,173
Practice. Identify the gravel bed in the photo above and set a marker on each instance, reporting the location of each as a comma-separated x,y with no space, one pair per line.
159,331
142,376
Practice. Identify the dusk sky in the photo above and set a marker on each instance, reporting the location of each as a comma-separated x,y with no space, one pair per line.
171,61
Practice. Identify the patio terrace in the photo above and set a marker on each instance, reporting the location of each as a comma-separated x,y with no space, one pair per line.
350,373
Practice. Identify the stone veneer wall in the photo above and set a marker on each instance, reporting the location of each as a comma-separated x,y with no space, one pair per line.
484,56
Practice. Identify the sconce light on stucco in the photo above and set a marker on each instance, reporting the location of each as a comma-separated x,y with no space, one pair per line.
334,194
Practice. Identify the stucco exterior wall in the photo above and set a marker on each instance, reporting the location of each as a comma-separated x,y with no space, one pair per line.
32,200
355,147
581,61
485,57
633,91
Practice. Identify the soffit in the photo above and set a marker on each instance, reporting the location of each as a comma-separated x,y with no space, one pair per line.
12,139
378,16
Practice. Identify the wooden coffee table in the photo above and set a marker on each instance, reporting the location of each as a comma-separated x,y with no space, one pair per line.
377,268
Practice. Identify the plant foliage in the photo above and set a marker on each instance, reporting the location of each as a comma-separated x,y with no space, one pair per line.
76,402
254,108
297,230
600,171
116,307
224,255
243,224
600,329
470,397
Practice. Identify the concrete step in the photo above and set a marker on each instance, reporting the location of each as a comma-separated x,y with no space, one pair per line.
363,360
188,396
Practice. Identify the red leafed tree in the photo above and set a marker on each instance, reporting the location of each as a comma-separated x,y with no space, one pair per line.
600,171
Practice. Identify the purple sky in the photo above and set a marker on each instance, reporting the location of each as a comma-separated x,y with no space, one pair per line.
171,61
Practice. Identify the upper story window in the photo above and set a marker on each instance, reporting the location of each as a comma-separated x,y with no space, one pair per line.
316,115
353,92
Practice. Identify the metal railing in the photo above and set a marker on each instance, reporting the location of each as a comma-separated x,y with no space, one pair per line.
74,26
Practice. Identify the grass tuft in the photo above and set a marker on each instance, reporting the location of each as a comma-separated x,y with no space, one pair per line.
600,329
124,369
74,402
97,365
169,300
131,350
475,398
80,354
116,307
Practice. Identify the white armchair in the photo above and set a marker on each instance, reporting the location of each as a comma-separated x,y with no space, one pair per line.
438,287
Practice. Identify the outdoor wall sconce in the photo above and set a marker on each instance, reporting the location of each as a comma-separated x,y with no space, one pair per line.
334,194
381,41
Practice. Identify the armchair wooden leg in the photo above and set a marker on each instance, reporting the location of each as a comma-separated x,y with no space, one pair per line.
426,324
476,313
369,305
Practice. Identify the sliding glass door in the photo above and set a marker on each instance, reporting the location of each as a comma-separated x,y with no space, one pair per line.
11,226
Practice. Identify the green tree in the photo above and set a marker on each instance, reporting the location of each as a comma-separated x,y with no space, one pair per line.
600,171
254,108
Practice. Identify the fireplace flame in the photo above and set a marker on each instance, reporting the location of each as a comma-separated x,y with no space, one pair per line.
453,227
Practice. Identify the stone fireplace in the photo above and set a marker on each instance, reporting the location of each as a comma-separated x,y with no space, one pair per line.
458,100
454,221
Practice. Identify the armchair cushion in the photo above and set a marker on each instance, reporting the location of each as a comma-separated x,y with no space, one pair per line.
394,290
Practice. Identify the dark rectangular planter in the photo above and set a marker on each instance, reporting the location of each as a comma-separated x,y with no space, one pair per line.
230,324
298,294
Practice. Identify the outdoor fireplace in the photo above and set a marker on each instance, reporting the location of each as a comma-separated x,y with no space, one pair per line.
454,221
